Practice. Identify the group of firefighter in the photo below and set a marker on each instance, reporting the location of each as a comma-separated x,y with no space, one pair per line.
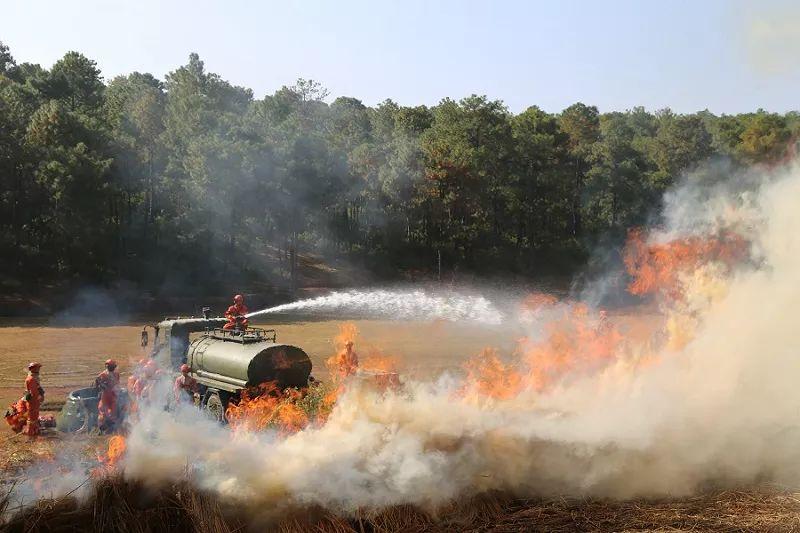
146,374
23,416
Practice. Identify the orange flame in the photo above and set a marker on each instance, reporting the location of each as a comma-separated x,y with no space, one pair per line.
488,376
657,267
381,370
116,449
379,362
266,406
328,401
578,341
292,410
111,458
291,418
345,361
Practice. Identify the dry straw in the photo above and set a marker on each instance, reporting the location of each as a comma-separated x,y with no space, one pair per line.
116,504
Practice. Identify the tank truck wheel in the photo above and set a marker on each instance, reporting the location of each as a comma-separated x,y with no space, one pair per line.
87,420
79,420
214,406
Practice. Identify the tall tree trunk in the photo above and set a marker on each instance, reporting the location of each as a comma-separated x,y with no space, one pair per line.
576,199
293,263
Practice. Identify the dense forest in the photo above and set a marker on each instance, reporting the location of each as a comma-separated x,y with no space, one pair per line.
192,178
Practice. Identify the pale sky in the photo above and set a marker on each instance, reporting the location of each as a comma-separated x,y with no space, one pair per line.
727,56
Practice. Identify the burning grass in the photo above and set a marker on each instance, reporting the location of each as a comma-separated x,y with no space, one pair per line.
116,504
289,411
656,267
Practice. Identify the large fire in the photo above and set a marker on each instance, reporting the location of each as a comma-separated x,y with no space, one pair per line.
657,267
344,362
488,375
291,410
577,340
572,340
691,384
265,407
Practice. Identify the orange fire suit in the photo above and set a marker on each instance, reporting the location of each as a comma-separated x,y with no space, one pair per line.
184,388
107,383
231,314
34,397
17,415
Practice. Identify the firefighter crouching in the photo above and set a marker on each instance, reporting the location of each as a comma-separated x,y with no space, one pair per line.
185,386
107,384
236,314
23,416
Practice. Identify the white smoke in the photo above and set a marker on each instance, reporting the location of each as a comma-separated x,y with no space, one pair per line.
67,472
722,409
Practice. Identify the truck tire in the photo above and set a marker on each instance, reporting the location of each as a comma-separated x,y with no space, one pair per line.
79,413
214,404
74,419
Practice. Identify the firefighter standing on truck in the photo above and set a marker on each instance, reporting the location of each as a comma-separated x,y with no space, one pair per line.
107,383
236,314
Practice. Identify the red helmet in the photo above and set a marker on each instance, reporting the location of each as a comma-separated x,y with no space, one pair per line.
238,299
34,365
185,368
111,362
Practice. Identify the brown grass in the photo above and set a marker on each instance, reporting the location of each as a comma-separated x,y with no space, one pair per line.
72,357
116,504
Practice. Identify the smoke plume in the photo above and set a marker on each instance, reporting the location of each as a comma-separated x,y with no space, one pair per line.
711,399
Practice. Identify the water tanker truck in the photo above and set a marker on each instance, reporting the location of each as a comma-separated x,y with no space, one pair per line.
224,362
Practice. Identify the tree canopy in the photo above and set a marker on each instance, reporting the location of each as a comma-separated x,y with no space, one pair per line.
192,178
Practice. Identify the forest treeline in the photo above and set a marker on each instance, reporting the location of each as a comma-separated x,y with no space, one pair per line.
193,178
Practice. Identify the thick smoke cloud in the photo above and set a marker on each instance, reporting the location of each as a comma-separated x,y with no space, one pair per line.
720,407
